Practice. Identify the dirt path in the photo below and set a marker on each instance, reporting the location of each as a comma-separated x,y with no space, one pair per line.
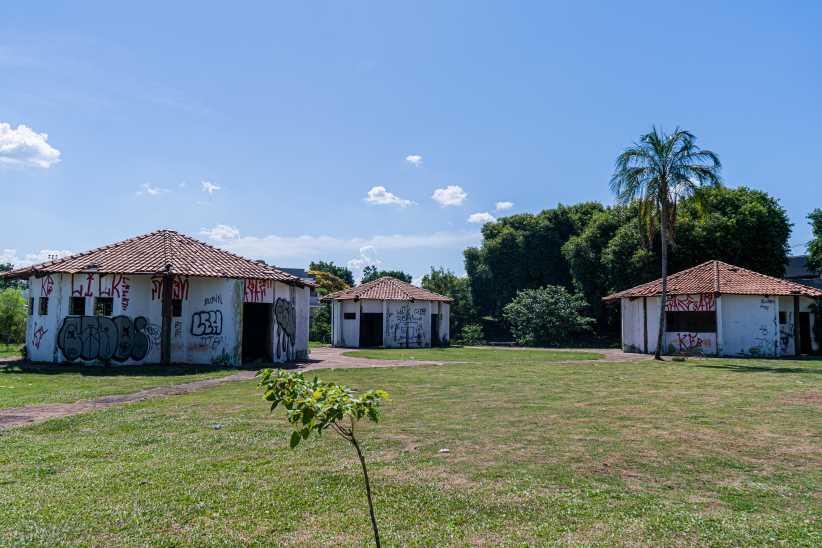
321,358
32,414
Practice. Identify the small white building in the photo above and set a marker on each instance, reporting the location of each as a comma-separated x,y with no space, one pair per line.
719,309
161,298
388,313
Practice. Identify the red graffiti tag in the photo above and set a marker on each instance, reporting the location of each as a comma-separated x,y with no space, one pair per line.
687,303
81,291
254,291
38,336
125,289
179,288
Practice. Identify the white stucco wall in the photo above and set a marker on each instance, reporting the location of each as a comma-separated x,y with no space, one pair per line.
208,330
633,326
750,326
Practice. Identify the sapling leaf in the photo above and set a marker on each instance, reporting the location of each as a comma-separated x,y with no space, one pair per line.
295,439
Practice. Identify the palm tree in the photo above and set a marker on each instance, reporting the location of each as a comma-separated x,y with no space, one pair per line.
656,172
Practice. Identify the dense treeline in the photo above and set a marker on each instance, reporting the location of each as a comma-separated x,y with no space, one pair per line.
595,250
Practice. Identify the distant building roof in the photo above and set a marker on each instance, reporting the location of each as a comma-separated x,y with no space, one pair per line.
798,267
386,289
160,252
718,277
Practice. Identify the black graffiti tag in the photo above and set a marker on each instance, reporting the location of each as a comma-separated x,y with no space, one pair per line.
286,316
103,338
207,322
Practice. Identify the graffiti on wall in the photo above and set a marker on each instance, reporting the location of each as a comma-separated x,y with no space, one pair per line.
214,299
256,291
102,338
39,333
207,322
82,287
286,317
407,325
690,343
691,303
179,288
209,343
46,286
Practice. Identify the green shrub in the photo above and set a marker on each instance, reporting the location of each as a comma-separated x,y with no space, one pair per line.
472,334
13,312
547,316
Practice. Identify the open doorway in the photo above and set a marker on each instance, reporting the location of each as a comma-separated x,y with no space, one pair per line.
804,333
435,330
370,329
256,332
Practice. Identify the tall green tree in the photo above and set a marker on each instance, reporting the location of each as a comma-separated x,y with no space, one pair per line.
445,282
371,273
657,172
815,245
319,329
341,272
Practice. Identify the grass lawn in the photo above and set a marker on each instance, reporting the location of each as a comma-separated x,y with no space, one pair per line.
718,452
67,384
10,350
473,355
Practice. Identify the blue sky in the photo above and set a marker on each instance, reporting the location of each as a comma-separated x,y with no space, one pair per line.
266,127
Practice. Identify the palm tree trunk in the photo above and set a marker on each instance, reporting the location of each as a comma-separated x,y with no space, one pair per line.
663,226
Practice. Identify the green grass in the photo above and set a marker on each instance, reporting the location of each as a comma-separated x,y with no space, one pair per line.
317,344
474,355
713,452
34,385
10,350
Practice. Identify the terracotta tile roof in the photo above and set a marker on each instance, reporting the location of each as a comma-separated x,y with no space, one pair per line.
162,251
718,277
386,289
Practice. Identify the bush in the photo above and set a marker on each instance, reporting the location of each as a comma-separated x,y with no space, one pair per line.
13,313
547,316
472,334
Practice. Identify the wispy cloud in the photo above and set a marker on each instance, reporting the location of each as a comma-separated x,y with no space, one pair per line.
11,256
503,206
378,195
414,159
481,218
368,257
221,233
148,189
209,187
22,146
452,195
302,249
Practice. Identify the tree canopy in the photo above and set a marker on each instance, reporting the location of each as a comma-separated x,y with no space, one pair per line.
371,273
341,272
445,282
815,245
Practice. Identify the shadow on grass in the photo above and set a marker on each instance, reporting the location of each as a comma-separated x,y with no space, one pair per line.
26,368
737,368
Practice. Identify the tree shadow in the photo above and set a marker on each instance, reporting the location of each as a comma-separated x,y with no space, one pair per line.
738,368
174,370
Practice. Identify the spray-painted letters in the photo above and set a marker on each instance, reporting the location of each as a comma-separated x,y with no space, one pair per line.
46,286
100,337
407,326
179,288
691,303
207,322
257,291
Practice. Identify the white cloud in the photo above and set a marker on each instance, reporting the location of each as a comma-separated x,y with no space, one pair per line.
302,249
10,256
481,218
452,195
24,147
414,159
208,186
378,195
368,257
148,189
502,206
221,233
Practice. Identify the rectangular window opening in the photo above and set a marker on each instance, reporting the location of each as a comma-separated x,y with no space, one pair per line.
43,309
103,306
77,306
176,308
31,306
690,322
349,315
783,318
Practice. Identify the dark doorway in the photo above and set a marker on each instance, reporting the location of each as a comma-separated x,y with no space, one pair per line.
804,333
435,330
370,329
256,332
